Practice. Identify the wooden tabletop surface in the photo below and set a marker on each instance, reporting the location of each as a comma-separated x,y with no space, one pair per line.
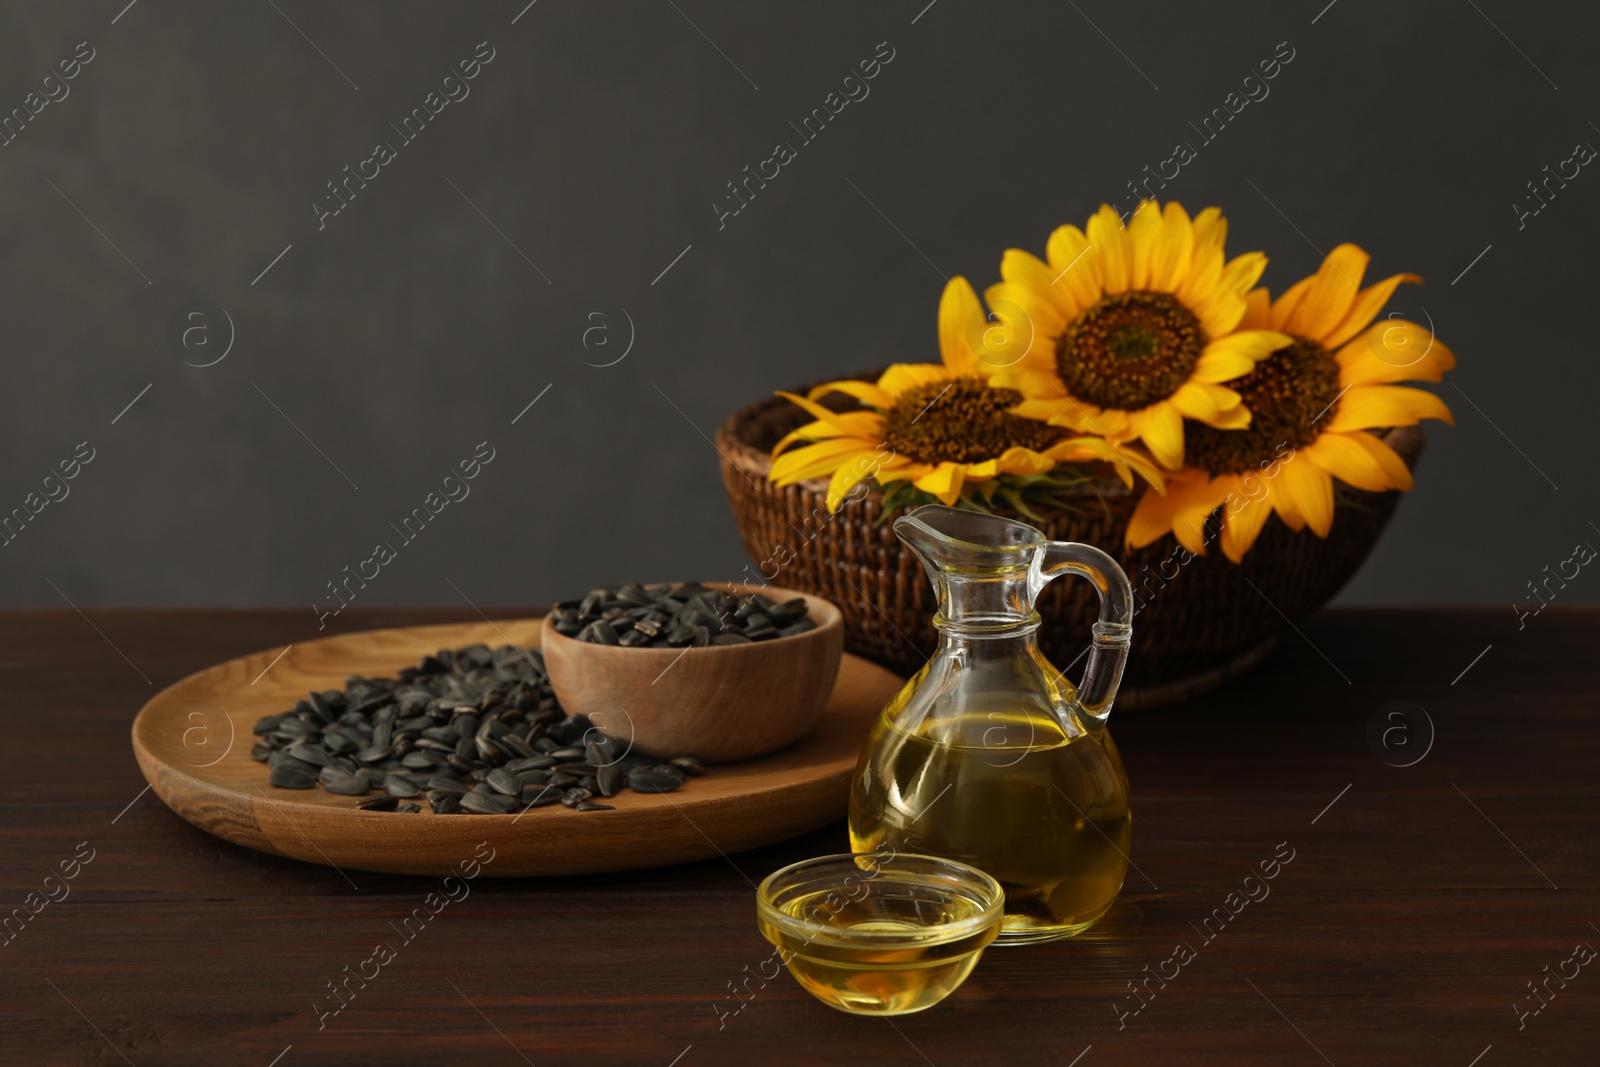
1419,907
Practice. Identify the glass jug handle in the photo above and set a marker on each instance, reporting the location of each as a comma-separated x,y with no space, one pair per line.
1112,631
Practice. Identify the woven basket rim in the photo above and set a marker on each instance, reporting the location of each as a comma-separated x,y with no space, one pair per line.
751,460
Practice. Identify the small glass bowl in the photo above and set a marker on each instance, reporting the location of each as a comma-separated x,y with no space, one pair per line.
880,933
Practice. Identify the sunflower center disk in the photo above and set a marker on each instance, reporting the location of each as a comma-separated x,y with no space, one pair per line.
961,420
1291,394
1130,350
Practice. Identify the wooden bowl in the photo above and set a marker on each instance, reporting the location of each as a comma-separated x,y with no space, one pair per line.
720,703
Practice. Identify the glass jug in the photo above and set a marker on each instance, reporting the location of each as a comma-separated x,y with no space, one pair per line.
988,755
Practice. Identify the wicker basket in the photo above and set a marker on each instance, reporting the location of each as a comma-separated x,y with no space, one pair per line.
1197,625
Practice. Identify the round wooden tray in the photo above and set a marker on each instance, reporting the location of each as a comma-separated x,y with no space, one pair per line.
193,743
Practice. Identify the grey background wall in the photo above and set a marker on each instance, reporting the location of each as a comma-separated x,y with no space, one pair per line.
574,188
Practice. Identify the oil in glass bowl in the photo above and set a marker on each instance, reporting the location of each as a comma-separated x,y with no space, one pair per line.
880,934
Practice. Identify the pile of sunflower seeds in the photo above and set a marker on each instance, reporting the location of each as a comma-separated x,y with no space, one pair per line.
677,616
470,730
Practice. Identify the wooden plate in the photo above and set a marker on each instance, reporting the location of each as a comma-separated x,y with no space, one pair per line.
193,743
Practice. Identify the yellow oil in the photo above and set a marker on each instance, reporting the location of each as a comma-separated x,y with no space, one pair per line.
1008,791
907,974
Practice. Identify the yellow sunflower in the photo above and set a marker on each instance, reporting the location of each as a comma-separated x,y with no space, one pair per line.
1313,403
944,426
1135,328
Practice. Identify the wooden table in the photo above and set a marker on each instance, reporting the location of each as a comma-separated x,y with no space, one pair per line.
1419,904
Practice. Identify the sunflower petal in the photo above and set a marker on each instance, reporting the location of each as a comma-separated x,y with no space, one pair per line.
1155,513
1395,467
1220,313
1342,457
906,471
1075,272
1019,460
1222,364
865,392
1235,417
1311,490
818,459
1288,302
810,432
958,311
1173,250
1028,321
1110,241
1189,522
1257,311
1036,276
1126,459
1333,289
1394,351
1160,426
1205,271
944,482
1195,401
846,477
1144,232
1256,344
1210,230
1031,383
1283,503
1365,308
838,420
1152,516
1366,406
1074,414
900,378
1151,519
1241,528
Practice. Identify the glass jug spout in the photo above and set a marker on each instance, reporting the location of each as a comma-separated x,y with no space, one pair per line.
987,573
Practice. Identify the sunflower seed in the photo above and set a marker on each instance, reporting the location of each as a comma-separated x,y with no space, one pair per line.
653,780
290,778
268,723
610,779
283,759
309,754
589,805
478,730
487,804
296,727
537,796
334,774
398,785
